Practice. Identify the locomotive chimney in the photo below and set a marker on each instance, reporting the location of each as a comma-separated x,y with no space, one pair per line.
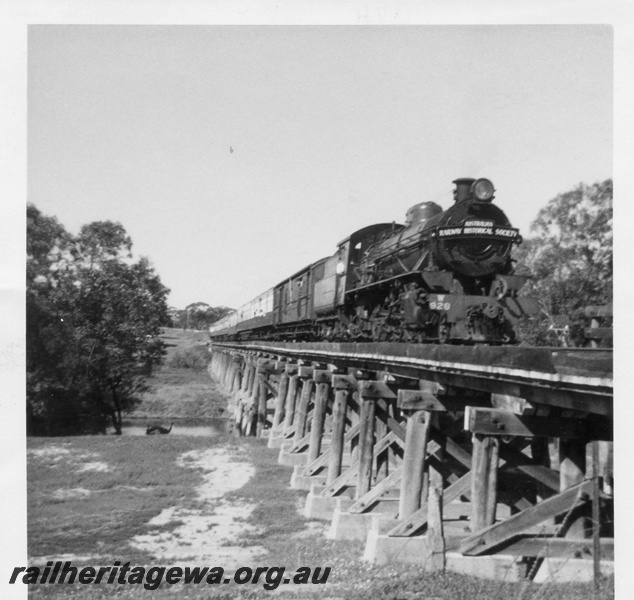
463,188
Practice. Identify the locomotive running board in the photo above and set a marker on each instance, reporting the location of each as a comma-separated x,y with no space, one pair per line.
434,279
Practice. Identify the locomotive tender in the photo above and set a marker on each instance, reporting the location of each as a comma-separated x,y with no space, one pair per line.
443,277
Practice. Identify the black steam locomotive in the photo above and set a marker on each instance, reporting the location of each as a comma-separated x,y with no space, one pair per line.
443,277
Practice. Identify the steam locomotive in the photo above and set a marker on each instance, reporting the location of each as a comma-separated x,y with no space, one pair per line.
443,277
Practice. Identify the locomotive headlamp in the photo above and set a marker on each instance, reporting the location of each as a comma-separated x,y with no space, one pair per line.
483,190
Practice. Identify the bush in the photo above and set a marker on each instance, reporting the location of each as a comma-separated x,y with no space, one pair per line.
193,357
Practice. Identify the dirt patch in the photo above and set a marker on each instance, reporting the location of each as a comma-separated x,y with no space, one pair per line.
74,558
94,466
207,536
67,493
81,461
50,452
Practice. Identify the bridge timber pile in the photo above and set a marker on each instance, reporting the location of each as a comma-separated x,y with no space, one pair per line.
485,460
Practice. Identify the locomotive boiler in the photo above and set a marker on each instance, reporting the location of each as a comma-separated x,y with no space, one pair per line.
442,277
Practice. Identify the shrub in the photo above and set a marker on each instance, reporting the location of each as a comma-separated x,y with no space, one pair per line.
193,357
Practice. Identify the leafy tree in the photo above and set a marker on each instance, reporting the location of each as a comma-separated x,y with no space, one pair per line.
47,245
52,397
199,315
92,325
103,240
571,259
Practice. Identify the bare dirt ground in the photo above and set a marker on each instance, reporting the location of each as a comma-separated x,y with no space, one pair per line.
209,534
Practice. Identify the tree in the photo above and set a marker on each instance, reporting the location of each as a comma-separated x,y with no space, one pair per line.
52,399
47,245
46,242
101,241
92,338
116,318
199,315
570,258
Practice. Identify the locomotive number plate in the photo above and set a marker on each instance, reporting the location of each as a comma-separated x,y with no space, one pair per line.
439,305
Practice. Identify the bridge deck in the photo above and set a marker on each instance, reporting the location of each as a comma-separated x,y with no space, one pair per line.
579,380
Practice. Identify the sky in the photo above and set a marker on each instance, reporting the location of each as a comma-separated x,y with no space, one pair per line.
236,155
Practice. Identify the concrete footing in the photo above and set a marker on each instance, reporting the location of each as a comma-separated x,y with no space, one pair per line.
299,481
565,570
381,549
323,508
353,526
291,459
498,566
276,439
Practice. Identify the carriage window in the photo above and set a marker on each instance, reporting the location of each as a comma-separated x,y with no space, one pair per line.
319,271
356,252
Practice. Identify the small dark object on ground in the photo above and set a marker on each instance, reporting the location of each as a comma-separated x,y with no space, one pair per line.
154,429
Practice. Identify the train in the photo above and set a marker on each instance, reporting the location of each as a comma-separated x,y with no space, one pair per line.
444,276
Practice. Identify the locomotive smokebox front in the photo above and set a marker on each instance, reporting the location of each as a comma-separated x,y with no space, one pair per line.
474,237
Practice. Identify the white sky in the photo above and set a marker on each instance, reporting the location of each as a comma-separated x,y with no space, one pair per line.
332,128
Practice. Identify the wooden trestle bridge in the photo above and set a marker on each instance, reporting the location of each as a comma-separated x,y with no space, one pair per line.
486,460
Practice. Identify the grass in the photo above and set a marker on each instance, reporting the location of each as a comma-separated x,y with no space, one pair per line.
96,513
144,478
182,387
181,393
